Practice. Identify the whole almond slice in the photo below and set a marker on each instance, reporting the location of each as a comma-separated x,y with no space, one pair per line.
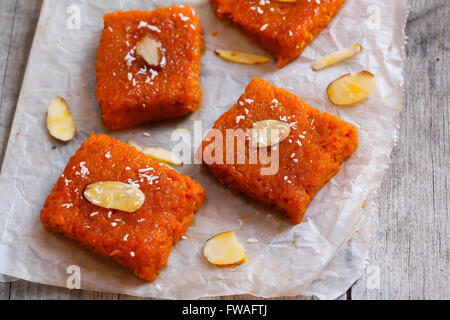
241,57
163,155
352,88
115,195
337,57
269,132
224,250
59,120
150,50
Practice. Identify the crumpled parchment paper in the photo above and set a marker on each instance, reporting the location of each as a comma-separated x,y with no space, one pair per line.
283,260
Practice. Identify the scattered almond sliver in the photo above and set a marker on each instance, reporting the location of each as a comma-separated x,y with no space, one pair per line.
59,120
269,132
168,166
160,154
352,88
241,57
224,250
135,145
337,57
150,50
115,195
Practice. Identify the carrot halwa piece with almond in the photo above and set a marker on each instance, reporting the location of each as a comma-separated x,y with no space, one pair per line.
283,28
313,152
131,91
140,240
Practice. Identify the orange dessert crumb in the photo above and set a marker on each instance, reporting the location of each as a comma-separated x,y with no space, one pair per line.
317,145
142,240
285,29
131,92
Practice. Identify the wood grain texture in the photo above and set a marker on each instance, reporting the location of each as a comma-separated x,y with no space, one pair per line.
4,291
410,231
410,234
18,21
24,290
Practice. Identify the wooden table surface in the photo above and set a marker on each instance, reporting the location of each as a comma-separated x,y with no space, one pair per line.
410,233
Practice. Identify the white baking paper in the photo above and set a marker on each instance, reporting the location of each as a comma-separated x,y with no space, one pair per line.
286,260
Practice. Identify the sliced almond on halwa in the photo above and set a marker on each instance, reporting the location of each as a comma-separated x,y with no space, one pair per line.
135,145
241,57
352,88
59,120
150,50
163,155
269,132
115,195
168,166
224,250
158,154
336,57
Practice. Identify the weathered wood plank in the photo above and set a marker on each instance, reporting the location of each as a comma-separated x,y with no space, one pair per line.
4,291
410,234
7,16
17,26
24,290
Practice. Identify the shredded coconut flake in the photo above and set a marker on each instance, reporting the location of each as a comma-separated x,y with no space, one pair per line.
129,58
84,170
183,17
144,24
239,118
